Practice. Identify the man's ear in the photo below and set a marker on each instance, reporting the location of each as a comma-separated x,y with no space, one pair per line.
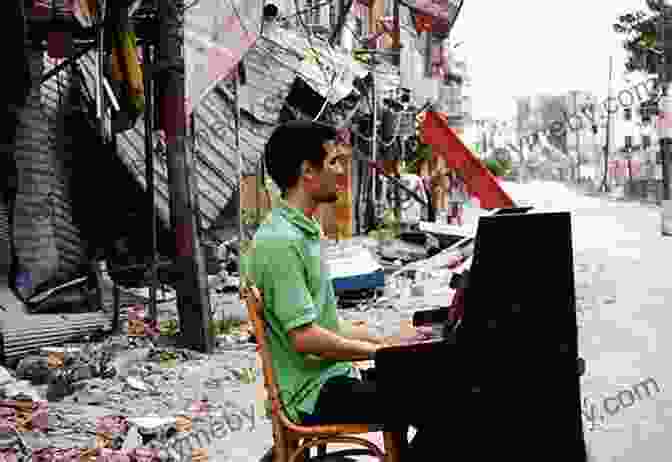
307,170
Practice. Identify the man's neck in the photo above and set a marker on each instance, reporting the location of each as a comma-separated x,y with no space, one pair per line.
300,200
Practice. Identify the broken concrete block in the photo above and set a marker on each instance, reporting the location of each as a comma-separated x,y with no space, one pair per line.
5,377
91,391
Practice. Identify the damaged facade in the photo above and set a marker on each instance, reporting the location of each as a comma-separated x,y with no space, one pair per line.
78,194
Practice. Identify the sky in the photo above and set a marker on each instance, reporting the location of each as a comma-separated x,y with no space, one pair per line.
527,47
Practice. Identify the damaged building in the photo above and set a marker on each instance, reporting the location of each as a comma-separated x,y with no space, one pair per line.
80,195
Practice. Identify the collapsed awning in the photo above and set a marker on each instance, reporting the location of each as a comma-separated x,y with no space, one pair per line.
479,181
272,62
219,33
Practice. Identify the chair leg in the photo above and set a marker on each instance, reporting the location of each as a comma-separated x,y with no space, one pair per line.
292,446
396,444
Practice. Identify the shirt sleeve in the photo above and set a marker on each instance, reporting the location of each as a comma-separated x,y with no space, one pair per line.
293,304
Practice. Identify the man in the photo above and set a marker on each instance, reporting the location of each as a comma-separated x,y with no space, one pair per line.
311,350
457,196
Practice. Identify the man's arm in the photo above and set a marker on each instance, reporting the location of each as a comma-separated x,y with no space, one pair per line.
357,330
295,308
313,339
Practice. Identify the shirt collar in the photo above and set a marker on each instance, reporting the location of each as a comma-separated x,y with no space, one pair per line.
310,226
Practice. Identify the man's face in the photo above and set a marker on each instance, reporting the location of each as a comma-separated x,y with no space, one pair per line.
322,184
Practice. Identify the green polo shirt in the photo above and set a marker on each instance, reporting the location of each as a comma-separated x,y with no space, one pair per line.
285,264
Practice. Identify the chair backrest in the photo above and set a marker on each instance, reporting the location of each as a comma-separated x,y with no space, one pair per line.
255,307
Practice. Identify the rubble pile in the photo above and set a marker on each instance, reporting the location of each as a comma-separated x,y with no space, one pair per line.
134,378
194,430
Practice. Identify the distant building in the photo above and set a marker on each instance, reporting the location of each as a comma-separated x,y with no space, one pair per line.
584,145
635,138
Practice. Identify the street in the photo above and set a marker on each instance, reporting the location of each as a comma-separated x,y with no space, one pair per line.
622,289
204,115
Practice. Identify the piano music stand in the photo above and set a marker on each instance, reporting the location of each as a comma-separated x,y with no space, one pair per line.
512,210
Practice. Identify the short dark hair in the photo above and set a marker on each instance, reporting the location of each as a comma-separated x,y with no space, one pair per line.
290,144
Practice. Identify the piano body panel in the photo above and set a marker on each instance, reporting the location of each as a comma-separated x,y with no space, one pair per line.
519,328
492,406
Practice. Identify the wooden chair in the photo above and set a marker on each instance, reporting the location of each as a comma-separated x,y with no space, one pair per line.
293,442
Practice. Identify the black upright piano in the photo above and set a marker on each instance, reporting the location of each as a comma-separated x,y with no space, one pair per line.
504,382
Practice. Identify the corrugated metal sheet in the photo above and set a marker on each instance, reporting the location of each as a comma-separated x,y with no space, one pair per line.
333,66
69,242
47,242
5,256
215,157
28,334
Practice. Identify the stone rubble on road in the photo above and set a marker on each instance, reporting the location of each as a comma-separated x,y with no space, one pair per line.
132,377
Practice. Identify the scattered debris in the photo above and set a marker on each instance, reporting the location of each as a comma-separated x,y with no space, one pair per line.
137,384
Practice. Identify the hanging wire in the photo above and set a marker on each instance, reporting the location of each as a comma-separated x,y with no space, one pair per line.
309,35
342,20
240,18
239,164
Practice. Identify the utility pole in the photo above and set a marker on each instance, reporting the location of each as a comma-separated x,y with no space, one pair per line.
149,176
193,301
664,121
522,172
374,13
629,148
665,116
578,148
607,148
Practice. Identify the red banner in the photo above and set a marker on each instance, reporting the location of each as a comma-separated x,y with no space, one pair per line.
438,15
479,181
